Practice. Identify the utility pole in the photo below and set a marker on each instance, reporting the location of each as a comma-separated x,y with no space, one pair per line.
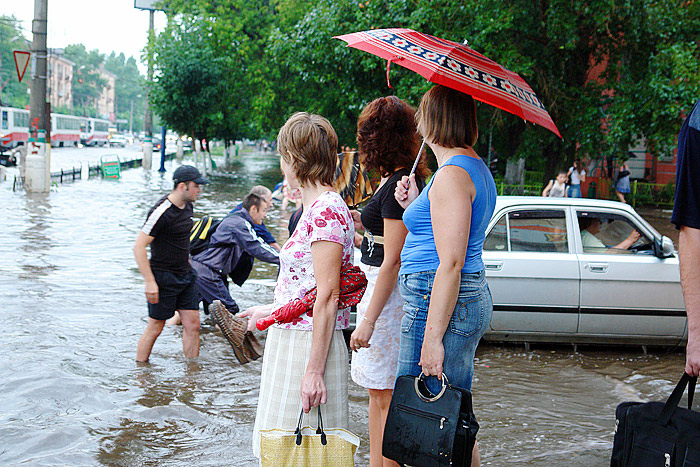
37,175
148,118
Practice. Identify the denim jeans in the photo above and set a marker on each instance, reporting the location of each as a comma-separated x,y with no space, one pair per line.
470,319
574,191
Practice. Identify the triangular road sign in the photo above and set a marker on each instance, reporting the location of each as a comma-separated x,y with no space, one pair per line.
21,60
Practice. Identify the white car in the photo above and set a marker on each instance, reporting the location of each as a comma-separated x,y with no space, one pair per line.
559,271
117,140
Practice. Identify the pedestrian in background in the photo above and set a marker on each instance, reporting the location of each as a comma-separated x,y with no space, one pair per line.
232,248
686,217
261,229
622,186
556,188
388,142
576,175
448,303
306,360
169,278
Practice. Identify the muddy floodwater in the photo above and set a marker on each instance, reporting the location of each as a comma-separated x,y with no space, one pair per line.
73,309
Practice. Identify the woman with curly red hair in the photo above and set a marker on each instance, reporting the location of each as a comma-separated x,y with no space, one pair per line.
388,143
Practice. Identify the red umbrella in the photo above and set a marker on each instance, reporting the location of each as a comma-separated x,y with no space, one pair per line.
456,66
353,284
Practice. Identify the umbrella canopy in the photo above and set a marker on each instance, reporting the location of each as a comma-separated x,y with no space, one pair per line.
456,66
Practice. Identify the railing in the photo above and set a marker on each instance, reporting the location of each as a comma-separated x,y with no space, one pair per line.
67,175
533,177
517,190
656,194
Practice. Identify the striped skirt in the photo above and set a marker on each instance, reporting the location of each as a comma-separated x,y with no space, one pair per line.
284,364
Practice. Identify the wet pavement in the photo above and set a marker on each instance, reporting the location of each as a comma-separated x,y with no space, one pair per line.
73,310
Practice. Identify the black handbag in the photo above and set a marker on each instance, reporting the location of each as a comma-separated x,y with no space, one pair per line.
655,434
427,430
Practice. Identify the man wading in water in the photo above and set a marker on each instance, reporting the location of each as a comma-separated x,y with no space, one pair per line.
169,278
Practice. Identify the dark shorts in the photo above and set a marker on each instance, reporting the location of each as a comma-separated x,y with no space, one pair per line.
175,292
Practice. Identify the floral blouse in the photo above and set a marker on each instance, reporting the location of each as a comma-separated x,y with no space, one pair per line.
328,219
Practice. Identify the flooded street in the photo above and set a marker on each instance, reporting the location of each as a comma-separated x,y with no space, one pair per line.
73,309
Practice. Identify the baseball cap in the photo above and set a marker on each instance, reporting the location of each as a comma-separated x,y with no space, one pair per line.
187,173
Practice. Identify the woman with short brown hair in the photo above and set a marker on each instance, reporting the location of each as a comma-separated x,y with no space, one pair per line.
306,360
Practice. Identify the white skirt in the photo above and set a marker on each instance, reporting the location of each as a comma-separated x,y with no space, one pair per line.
375,367
284,364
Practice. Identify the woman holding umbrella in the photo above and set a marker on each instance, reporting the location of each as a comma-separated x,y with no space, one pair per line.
448,303
387,141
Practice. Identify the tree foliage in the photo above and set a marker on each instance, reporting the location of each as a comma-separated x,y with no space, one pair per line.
12,92
87,82
189,81
610,72
130,88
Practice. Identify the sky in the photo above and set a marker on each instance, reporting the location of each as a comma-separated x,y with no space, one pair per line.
105,25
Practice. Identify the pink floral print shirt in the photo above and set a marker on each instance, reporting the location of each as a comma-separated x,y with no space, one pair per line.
328,219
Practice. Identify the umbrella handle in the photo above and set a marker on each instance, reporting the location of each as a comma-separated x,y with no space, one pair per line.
415,164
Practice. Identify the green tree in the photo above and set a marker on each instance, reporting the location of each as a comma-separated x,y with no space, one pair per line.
12,92
188,81
130,89
87,82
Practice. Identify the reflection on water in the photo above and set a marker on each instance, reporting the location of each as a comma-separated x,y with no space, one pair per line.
73,310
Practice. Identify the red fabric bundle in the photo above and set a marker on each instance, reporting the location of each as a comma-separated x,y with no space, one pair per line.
353,284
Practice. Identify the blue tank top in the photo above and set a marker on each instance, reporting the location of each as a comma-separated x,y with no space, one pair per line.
419,253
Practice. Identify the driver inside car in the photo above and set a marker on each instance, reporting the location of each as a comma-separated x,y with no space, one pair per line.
590,227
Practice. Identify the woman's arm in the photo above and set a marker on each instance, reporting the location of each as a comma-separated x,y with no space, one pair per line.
254,313
394,237
327,259
451,193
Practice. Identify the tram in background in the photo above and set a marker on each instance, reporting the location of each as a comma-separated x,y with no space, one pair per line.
94,131
66,130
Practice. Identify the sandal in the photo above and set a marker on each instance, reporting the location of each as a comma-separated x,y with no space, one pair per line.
232,328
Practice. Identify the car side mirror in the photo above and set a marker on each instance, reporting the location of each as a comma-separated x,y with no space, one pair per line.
663,247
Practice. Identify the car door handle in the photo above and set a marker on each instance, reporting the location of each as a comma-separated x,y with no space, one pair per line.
600,268
494,266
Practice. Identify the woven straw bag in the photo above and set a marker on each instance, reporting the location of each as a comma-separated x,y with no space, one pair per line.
306,447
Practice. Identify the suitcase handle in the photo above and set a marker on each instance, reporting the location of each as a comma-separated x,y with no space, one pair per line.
675,398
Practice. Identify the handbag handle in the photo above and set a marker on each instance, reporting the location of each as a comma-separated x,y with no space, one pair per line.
675,398
419,393
319,428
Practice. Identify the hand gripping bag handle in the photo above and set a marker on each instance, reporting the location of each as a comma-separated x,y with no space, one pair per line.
675,398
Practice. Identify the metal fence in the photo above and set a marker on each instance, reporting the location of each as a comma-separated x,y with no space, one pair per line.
655,194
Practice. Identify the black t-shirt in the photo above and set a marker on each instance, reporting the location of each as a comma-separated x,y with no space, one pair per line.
686,209
381,206
170,228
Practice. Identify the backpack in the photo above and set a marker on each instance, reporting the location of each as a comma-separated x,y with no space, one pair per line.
201,233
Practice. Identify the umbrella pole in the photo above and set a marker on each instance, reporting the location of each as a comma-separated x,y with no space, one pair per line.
415,164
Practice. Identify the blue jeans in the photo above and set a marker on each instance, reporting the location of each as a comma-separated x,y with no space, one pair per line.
470,320
574,191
